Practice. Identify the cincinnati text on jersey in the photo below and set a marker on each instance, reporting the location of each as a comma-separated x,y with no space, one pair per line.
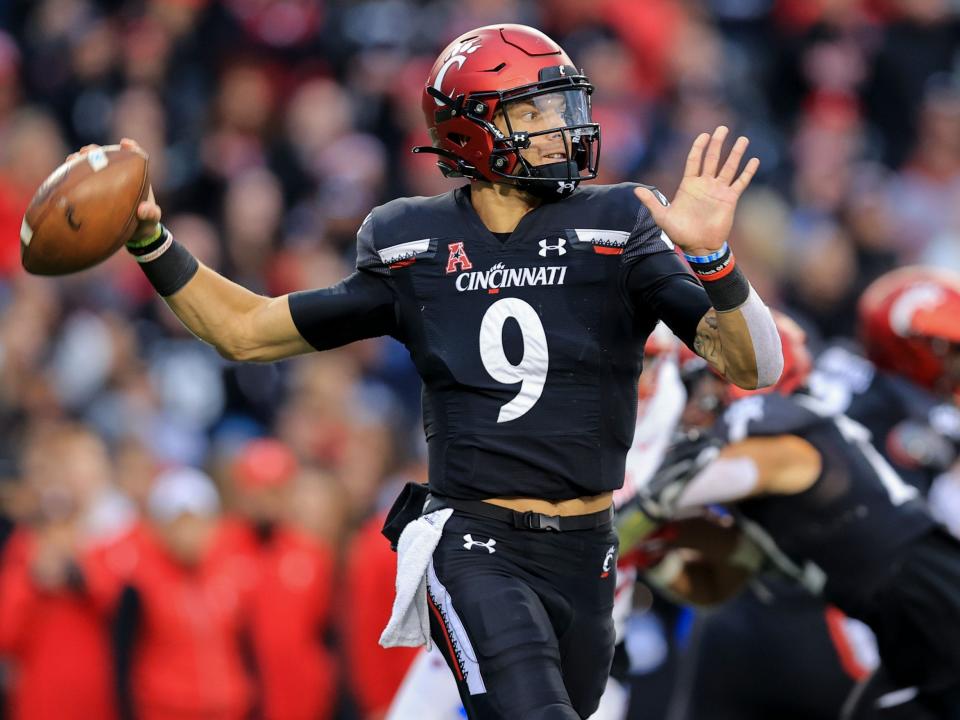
498,277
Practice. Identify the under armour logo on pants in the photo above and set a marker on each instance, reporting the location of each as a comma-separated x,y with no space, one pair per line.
471,543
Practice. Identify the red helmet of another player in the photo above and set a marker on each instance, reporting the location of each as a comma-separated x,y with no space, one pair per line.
797,361
908,321
504,103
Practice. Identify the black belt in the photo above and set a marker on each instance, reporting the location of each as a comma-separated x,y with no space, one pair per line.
523,520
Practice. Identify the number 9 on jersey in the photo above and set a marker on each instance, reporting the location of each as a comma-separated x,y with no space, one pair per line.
531,371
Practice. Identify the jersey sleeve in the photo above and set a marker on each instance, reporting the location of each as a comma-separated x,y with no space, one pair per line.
660,282
361,306
655,279
368,257
646,237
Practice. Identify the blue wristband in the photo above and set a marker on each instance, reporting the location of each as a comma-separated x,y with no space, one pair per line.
703,259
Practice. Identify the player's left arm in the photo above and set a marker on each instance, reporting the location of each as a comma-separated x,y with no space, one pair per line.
737,335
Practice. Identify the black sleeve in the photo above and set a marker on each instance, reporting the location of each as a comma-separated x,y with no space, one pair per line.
646,237
361,306
123,637
661,283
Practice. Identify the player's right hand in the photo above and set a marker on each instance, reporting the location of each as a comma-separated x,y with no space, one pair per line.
148,212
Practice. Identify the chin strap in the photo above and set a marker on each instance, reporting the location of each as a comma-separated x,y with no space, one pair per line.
460,167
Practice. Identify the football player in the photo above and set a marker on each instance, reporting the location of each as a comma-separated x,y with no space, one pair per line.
524,300
839,519
428,695
908,322
757,632
904,391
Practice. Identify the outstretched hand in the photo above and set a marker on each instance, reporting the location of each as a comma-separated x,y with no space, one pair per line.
701,215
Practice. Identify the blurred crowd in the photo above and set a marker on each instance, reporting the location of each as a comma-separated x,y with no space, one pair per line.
184,537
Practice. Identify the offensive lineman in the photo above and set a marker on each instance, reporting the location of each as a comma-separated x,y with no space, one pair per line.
829,501
909,322
905,389
524,301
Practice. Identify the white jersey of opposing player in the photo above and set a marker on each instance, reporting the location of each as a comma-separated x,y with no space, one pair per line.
657,419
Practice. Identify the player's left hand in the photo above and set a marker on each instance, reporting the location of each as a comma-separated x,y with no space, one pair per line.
701,215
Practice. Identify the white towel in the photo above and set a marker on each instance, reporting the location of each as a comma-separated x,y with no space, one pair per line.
409,624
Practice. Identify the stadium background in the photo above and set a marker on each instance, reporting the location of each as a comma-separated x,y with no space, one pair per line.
274,126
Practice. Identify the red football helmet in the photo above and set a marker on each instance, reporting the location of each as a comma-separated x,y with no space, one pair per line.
908,321
797,361
504,103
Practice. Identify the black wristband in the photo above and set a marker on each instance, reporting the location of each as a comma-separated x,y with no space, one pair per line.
711,267
169,270
729,292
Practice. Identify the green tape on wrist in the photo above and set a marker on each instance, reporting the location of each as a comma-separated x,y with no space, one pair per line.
143,242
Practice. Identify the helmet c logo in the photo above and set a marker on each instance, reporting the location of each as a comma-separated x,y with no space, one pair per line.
458,56
923,296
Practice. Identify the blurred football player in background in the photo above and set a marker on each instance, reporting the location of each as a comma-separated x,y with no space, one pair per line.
845,523
903,387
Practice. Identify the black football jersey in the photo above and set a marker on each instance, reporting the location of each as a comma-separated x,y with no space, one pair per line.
529,348
855,518
915,431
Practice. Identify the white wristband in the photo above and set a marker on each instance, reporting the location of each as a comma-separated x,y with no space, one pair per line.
151,256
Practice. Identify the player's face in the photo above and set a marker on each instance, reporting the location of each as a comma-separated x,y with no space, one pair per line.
542,113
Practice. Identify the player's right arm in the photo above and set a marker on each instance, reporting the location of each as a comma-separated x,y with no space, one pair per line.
240,324
245,326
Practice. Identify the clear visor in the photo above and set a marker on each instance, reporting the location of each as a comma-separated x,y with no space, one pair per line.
563,108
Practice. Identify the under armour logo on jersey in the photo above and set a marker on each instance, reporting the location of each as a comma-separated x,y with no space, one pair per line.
471,543
565,186
547,248
457,260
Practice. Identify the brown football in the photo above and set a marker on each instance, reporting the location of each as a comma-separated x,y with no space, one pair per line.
84,212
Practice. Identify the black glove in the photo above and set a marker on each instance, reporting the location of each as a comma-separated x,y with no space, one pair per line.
689,453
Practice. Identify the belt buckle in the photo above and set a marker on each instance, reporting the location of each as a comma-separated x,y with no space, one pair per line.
539,521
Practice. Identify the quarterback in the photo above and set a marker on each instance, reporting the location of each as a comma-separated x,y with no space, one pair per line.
524,299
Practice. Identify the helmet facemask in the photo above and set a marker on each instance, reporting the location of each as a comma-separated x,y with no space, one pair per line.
539,136
544,140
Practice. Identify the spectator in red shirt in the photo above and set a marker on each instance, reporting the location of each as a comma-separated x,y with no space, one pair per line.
375,672
49,627
52,632
179,632
290,601
34,148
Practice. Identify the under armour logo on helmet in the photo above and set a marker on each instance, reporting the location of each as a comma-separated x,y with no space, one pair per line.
565,186
471,543
558,248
